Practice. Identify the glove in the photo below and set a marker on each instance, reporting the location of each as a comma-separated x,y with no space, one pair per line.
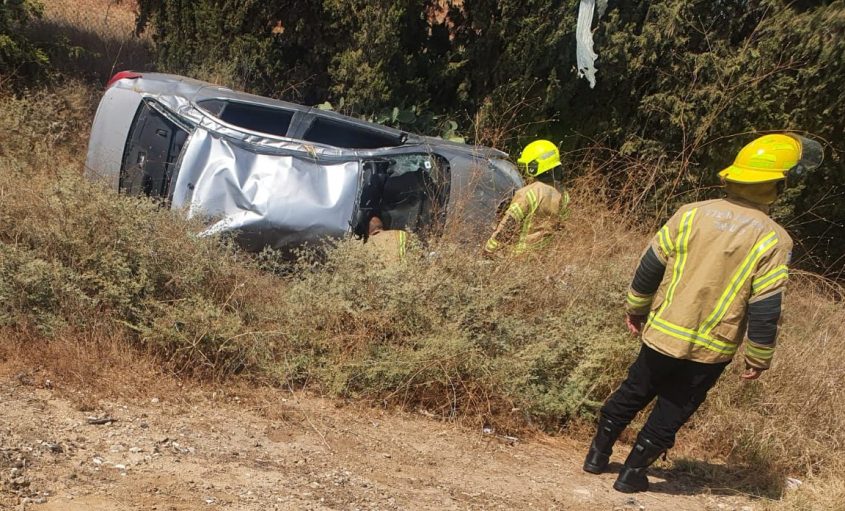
634,323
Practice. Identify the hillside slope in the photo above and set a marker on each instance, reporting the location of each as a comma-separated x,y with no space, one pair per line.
93,286
116,302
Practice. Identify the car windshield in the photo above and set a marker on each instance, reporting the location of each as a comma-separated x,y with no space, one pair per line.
407,191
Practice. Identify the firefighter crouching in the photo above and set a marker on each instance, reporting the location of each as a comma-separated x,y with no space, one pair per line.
536,210
713,275
386,245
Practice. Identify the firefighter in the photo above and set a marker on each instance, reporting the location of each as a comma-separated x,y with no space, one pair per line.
714,274
536,210
388,245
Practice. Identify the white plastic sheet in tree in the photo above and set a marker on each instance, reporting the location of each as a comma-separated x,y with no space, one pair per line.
585,55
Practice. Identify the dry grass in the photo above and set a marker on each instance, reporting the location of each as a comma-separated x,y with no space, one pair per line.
823,493
91,39
112,19
789,423
47,127
84,366
100,288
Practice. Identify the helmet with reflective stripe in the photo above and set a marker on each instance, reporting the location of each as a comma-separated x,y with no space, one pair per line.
538,157
772,158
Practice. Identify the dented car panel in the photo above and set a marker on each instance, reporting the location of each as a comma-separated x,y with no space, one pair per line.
279,174
269,199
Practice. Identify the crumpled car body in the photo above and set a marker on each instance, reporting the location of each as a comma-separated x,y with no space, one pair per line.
276,174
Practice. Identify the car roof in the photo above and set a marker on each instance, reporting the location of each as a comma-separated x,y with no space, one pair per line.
198,91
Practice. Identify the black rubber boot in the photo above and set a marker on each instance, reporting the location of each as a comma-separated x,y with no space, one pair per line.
632,478
602,446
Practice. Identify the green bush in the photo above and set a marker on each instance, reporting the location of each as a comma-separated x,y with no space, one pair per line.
18,56
454,334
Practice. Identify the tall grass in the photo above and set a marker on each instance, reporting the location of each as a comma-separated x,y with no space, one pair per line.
530,342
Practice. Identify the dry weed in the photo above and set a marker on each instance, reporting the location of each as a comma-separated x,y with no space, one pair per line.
46,126
825,493
792,421
89,279
84,366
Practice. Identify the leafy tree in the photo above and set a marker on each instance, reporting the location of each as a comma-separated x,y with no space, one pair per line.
682,84
18,56
274,48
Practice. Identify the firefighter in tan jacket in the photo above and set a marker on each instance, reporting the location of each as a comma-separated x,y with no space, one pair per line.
536,210
711,277
386,245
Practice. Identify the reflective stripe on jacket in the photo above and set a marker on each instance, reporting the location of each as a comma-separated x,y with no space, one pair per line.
535,212
714,273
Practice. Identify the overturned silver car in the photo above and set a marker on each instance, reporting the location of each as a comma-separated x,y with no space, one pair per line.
279,174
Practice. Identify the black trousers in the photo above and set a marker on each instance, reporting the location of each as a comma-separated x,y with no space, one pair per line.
679,385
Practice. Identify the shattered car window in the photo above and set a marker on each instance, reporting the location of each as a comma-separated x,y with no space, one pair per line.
408,191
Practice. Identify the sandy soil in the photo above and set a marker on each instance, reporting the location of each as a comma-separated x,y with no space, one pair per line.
260,449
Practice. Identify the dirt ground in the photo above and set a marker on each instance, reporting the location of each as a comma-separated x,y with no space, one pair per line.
250,448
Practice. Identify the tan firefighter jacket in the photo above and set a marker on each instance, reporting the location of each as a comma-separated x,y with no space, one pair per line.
535,212
715,273
388,245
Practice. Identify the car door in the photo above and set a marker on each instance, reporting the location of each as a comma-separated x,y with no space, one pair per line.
277,197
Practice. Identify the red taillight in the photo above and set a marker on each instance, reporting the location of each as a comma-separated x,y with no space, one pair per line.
121,75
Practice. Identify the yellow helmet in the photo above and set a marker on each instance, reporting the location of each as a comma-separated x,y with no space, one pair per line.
772,157
538,157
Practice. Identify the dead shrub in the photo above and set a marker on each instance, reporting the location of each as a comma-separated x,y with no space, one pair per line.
42,127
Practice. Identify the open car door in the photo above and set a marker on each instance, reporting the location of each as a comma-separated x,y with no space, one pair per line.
277,198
